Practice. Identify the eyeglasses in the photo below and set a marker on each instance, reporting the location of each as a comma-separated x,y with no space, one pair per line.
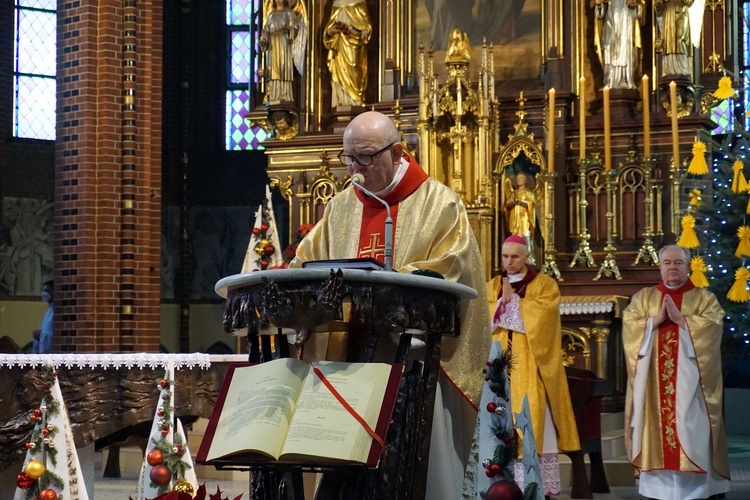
364,160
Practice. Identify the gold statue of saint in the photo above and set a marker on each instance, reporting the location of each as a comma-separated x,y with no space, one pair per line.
520,206
459,49
346,37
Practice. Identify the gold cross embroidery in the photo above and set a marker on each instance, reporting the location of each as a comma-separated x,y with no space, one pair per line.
374,249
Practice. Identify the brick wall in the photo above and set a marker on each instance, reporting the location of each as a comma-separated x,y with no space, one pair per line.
107,176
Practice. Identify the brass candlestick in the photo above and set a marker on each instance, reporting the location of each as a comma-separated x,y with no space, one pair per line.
609,265
676,176
647,251
550,265
584,251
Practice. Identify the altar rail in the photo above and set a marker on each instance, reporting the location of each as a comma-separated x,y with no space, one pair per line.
108,396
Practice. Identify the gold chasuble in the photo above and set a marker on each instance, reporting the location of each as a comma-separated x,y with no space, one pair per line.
432,232
537,369
673,414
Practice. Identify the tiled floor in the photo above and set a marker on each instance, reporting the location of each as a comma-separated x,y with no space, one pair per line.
739,458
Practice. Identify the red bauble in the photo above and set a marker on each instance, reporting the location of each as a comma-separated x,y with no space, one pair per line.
37,412
23,481
495,468
164,432
155,457
256,231
489,473
160,475
269,249
264,263
45,431
491,407
264,227
163,383
33,418
504,490
47,494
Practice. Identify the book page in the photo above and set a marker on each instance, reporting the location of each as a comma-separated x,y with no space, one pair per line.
322,427
258,407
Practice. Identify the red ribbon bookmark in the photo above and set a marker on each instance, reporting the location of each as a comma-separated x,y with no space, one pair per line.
351,410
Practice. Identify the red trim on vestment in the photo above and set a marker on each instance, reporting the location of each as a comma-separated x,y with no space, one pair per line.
372,228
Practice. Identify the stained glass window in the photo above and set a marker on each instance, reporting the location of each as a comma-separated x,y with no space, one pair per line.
722,115
242,70
34,51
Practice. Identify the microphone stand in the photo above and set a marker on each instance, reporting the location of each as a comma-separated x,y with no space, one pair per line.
356,179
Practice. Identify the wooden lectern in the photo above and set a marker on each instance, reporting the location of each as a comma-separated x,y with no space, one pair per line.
307,301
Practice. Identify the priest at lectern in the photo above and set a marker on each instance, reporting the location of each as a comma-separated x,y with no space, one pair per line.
432,232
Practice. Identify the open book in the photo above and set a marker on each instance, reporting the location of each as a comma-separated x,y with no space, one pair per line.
282,411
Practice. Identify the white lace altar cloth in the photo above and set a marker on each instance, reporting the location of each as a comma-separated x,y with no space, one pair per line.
116,361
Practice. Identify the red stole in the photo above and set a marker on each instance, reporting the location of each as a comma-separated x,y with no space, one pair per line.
667,347
372,229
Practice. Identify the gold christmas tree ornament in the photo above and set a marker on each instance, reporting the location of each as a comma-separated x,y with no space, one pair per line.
725,90
739,292
744,246
698,275
688,238
698,164
739,184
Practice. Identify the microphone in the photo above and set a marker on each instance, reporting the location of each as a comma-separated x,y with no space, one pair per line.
358,180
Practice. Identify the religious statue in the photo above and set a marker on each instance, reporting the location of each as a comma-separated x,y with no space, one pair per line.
521,206
459,48
346,37
618,40
283,39
678,21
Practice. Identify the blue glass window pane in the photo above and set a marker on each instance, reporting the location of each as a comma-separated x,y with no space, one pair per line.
37,44
38,4
240,135
240,70
34,114
239,12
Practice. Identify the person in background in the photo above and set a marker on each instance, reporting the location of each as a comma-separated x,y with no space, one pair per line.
42,343
674,429
526,320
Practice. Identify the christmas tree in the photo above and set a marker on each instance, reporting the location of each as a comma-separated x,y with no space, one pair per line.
264,249
724,215
51,469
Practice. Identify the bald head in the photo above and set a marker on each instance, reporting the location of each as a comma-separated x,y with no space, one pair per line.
372,124
373,136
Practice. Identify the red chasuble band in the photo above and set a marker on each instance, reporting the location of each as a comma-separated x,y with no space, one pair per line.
372,230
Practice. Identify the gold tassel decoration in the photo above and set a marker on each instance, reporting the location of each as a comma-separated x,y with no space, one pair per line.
695,197
744,247
698,164
725,90
747,210
739,184
688,238
698,275
738,292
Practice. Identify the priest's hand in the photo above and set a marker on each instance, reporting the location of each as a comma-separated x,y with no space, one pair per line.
507,291
674,312
669,311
